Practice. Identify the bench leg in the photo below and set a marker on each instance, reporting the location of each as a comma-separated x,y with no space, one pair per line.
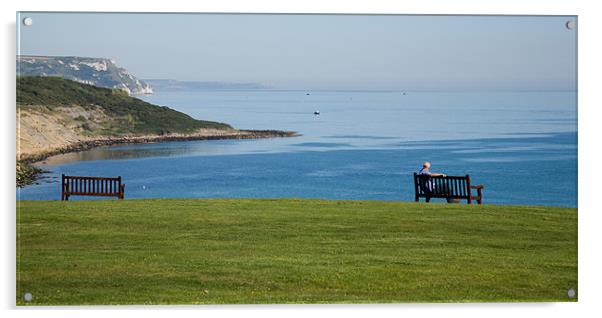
428,199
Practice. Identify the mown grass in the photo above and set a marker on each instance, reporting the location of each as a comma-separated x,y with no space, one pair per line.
187,251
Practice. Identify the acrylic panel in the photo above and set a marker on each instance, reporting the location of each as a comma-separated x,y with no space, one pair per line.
190,158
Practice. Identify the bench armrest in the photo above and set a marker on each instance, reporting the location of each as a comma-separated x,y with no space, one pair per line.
480,186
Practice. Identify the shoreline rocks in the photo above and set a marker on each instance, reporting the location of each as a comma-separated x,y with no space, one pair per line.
28,174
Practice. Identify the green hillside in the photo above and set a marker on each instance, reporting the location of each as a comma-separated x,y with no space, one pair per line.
189,251
131,115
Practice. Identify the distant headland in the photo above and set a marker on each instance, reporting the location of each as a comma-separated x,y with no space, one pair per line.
101,72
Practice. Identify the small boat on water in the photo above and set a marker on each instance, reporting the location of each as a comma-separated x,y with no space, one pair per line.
317,112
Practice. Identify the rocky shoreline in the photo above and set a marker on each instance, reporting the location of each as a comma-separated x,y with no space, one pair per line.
28,174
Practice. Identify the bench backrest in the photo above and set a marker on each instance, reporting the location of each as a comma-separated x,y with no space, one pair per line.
97,186
448,186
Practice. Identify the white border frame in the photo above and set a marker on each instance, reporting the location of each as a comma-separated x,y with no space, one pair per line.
590,22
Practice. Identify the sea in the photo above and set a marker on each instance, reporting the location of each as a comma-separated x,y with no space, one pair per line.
363,145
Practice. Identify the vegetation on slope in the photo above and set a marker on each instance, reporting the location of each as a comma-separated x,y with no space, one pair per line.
186,251
130,115
27,174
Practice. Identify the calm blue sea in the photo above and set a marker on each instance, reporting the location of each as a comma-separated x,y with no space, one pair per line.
364,145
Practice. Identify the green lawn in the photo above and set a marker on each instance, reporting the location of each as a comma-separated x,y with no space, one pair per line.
185,251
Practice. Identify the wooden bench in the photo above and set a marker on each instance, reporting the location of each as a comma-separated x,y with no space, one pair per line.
91,186
448,187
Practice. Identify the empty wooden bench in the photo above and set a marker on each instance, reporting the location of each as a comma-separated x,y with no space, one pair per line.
91,186
448,187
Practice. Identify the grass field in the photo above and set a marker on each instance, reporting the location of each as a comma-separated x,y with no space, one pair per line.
173,251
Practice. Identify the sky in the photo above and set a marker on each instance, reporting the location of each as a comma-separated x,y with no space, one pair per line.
320,51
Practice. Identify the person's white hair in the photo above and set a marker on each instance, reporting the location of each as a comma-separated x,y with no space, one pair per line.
426,164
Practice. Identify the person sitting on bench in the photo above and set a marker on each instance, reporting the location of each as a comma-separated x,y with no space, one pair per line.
426,166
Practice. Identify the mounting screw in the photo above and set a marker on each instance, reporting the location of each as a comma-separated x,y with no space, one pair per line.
571,293
27,21
570,24
27,297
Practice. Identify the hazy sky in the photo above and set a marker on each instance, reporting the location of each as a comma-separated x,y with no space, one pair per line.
320,51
